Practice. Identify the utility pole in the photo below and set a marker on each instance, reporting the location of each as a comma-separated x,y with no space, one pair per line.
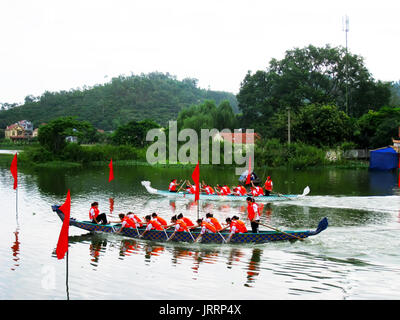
345,25
288,123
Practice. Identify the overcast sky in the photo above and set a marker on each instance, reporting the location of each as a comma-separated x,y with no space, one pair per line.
53,45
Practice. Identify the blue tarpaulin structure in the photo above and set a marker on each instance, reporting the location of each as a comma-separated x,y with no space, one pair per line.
383,159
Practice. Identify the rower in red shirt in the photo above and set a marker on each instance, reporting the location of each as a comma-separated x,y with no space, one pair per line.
172,185
240,190
205,227
126,222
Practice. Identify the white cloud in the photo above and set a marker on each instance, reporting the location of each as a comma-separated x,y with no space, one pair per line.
59,45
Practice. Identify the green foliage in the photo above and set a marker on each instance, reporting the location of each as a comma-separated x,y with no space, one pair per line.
377,128
207,116
154,96
322,125
310,75
273,153
133,133
52,135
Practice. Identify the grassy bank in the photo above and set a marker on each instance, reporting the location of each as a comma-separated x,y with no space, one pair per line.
270,154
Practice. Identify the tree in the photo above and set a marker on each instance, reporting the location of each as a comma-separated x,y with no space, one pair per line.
322,125
52,135
377,128
306,76
133,133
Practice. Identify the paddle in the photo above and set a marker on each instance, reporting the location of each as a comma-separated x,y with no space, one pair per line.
181,186
288,234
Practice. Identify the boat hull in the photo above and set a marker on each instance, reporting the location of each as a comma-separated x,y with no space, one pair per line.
155,235
185,195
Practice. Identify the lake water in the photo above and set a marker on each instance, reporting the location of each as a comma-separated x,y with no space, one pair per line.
357,257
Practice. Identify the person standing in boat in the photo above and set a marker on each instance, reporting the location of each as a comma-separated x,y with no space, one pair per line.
268,185
95,216
253,214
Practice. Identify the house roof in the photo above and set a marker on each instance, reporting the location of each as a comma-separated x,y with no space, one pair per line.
244,138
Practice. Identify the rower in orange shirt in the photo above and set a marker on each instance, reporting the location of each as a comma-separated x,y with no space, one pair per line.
188,222
210,219
180,226
240,190
159,219
205,227
151,225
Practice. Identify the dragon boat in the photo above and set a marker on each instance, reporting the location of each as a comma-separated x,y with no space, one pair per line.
203,196
155,235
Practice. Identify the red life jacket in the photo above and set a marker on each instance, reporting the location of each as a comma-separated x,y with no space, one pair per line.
268,185
172,186
130,223
260,191
254,192
225,190
241,226
234,224
209,190
208,226
96,213
138,220
216,224
251,214
188,222
155,225
182,225
192,189
161,221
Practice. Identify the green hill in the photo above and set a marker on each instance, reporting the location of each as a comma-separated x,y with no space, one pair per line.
155,96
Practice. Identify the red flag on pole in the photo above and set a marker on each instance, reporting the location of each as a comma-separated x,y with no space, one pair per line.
196,180
62,244
14,171
249,172
111,175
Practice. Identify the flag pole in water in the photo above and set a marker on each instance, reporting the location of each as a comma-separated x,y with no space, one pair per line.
196,180
62,244
14,172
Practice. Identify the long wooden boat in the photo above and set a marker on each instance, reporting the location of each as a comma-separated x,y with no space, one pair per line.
155,235
203,196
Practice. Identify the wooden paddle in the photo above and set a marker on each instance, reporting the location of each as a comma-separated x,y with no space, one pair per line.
288,234
181,186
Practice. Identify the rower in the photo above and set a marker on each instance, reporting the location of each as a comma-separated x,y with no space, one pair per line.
95,216
240,190
191,188
205,227
210,219
208,189
233,228
256,190
188,222
180,226
240,224
151,225
126,221
159,219
253,214
268,186
137,220
172,185
226,190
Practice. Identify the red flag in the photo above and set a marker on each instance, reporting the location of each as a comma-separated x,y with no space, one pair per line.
111,175
14,171
249,172
196,180
62,244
